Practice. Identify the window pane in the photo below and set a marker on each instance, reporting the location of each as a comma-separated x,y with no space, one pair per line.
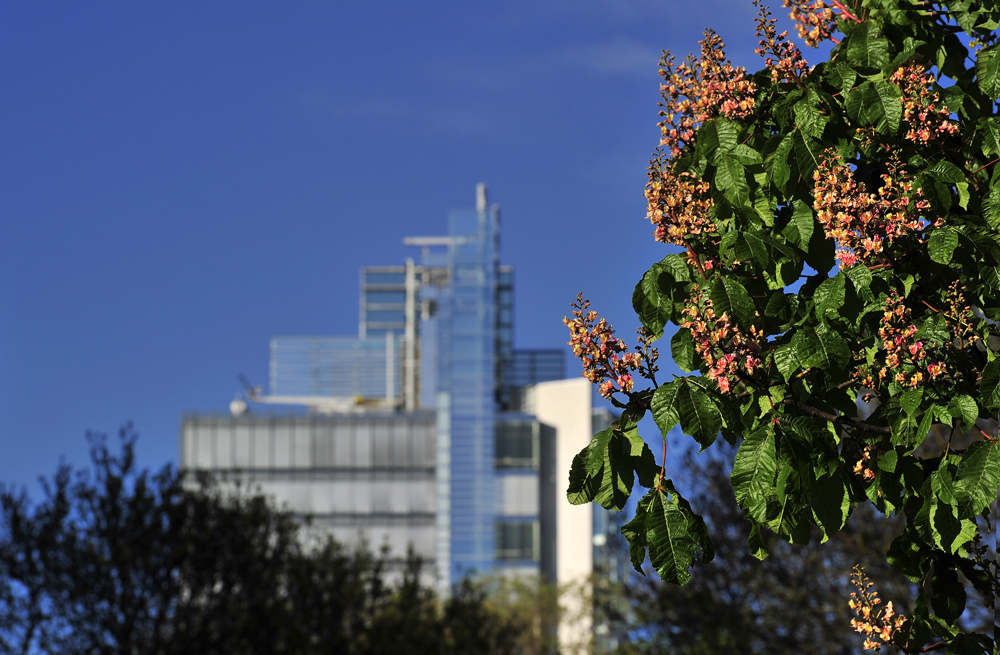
385,278
515,444
516,540
385,297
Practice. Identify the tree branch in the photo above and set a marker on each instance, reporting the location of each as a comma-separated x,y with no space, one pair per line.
833,418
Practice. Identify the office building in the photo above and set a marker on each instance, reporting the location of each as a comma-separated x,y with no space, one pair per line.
429,429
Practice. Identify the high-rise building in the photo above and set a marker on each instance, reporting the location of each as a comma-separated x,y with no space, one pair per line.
428,430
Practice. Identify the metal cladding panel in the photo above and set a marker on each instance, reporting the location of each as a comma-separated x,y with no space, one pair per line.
369,476
518,494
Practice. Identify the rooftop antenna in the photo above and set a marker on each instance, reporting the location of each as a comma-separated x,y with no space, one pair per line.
481,201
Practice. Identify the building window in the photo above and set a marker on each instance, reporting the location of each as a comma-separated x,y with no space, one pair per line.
386,278
517,540
516,444
385,297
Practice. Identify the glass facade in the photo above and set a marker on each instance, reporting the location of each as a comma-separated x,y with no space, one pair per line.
467,375
336,366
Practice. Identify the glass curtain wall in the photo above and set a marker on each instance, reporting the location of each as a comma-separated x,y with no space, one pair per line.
467,376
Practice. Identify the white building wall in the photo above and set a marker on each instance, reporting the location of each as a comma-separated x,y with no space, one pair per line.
566,405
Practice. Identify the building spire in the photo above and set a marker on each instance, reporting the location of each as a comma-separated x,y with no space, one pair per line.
481,201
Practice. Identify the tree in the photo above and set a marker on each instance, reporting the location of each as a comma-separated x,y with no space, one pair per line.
834,280
119,560
793,602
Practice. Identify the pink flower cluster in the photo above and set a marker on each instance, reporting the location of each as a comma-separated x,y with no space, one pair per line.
863,223
725,351
606,360
814,19
861,466
922,111
907,361
879,626
781,56
678,204
699,89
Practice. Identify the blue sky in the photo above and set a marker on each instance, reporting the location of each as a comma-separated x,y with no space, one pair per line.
179,182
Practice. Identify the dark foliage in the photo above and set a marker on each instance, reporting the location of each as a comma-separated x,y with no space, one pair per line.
119,560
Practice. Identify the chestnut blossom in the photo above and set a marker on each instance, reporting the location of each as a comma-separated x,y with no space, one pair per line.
879,626
678,204
906,361
863,224
723,348
861,466
606,360
814,19
781,56
922,111
700,89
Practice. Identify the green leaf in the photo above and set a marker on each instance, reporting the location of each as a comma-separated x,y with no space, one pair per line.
990,130
841,75
786,360
950,174
780,172
978,478
730,177
938,522
664,406
947,172
963,407
673,544
756,543
754,471
604,472
653,299
730,297
866,46
887,461
988,71
807,152
744,246
910,401
906,557
635,533
943,486
808,118
922,430
831,503
878,104
942,244
963,194
716,135
682,350
746,155
861,277
677,267
947,594
699,416
829,295
582,486
991,207
989,386
821,348
800,228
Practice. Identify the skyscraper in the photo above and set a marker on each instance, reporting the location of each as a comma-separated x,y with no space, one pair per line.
427,430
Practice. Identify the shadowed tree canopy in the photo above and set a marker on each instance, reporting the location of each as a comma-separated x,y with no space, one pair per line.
793,602
115,559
